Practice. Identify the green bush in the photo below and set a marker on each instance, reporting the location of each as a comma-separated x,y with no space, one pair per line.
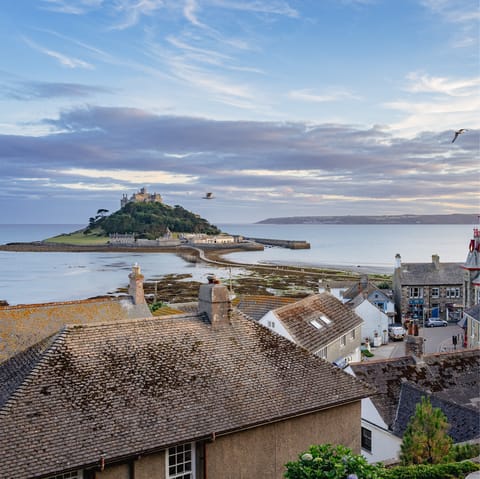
455,470
331,462
460,452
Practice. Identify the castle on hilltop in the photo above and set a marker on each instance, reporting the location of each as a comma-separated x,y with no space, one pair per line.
141,197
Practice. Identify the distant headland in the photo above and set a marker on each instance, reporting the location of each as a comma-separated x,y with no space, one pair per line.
452,219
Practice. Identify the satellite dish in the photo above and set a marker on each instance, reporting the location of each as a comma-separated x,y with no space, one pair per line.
208,196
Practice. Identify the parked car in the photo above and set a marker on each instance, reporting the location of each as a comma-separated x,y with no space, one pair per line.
396,331
434,322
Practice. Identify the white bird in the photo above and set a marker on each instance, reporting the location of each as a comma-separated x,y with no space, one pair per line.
459,132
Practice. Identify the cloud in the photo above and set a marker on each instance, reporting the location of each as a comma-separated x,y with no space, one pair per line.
274,7
304,167
37,90
72,7
452,103
331,95
64,60
134,10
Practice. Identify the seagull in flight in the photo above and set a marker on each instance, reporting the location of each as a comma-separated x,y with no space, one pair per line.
459,132
208,196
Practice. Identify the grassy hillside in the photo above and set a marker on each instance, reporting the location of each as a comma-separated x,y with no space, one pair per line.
151,220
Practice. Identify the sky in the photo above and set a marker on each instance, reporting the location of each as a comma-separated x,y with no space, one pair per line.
277,107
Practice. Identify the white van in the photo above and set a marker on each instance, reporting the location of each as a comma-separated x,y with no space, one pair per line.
396,332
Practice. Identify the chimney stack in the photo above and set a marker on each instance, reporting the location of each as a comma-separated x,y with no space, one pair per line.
436,260
214,300
135,288
398,261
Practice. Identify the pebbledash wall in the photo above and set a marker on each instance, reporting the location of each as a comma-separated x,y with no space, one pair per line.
260,452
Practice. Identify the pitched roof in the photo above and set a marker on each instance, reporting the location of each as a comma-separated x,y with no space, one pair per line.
430,274
131,387
464,421
257,306
297,319
450,376
23,325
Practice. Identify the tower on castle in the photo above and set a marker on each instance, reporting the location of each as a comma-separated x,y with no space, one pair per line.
143,196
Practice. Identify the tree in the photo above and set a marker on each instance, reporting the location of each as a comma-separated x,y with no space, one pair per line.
101,212
425,440
332,462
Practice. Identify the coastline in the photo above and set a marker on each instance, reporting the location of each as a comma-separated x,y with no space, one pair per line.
210,255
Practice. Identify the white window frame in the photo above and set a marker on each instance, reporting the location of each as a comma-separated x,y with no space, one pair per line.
343,341
416,292
322,353
353,334
68,475
177,452
435,292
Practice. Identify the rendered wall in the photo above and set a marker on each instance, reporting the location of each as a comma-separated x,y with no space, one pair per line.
262,452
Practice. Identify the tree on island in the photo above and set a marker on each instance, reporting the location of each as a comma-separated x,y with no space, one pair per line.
425,440
101,213
151,220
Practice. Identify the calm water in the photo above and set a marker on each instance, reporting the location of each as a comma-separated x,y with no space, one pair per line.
42,277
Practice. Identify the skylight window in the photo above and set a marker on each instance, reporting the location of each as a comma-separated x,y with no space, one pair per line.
325,319
316,324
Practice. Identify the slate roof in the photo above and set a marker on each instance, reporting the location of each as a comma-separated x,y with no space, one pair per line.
449,377
131,387
357,289
24,325
297,318
257,306
414,274
464,421
474,312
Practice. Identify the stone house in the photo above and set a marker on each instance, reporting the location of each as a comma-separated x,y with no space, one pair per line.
211,394
321,324
421,287
24,325
449,380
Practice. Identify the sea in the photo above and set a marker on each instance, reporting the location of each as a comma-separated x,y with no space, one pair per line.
27,277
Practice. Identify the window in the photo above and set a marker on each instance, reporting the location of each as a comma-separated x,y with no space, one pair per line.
68,475
316,324
452,292
180,463
352,334
322,353
416,292
343,340
366,439
435,292
271,324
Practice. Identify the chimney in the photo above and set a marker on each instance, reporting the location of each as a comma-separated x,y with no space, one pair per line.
398,261
135,288
436,260
414,346
214,300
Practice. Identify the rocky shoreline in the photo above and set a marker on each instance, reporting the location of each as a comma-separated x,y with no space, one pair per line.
263,279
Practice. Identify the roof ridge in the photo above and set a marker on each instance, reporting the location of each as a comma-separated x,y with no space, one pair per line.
62,303
114,321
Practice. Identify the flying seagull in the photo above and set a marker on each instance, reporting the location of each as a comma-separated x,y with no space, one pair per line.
458,132
208,196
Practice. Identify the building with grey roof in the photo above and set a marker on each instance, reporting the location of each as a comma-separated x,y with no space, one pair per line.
211,394
420,288
471,269
450,380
